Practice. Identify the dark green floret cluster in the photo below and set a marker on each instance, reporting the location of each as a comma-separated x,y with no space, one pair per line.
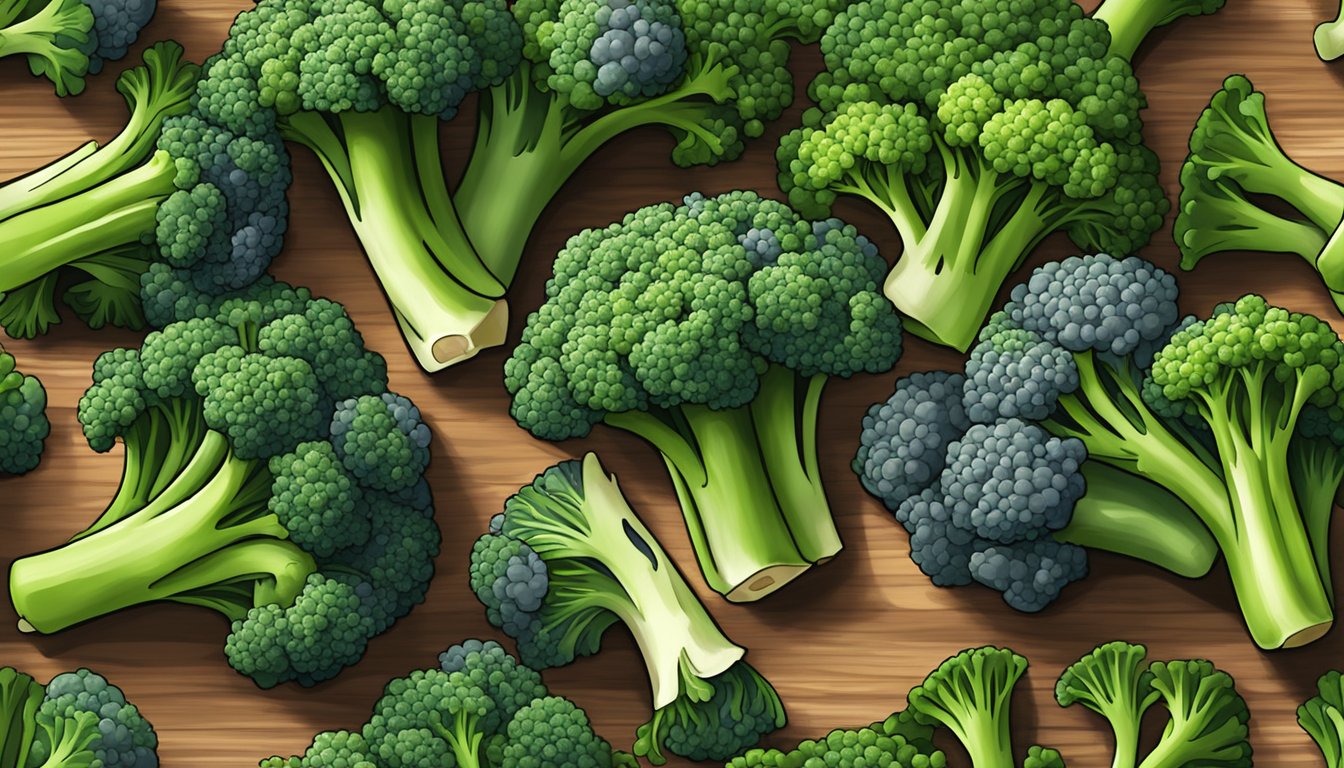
897,742
78,720
1322,717
268,475
64,40
710,329
365,85
568,560
980,128
1091,416
23,418
480,708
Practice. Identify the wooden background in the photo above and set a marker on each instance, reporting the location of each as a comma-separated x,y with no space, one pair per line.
843,644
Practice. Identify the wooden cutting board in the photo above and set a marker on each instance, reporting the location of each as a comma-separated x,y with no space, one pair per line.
843,644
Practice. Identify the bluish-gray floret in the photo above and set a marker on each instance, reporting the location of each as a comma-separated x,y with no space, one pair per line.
940,549
1097,302
455,659
409,421
638,54
761,244
1014,373
125,739
116,25
1012,481
1030,574
903,445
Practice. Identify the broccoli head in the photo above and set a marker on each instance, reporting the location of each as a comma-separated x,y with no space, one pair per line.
567,560
77,720
710,329
64,40
268,474
1322,717
23,418
979,131
480,708
847,748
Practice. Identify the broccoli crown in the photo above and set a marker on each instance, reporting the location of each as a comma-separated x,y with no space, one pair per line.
1037,98
82,707
1111,681
116,25
1283,359
740,708
969,694
344,477
689,304
23,418
480,707
1320,717
861,748
903,445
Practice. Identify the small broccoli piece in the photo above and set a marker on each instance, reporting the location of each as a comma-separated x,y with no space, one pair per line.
970,694
64,40
262,478
710,329
480,708
568,560
1112,681
1322,717
1043,757
77,720
1329,37
23,418
974,142
861,748
1235,163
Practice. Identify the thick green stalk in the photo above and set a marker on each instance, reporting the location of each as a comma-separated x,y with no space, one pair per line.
1130,21
387,169
786,426
208,527
44,239
741,537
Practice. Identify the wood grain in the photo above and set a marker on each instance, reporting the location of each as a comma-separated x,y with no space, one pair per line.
845,642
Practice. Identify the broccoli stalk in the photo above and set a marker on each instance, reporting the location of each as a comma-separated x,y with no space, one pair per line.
568,560
64,40
268,475
710,329
1130,21
1234,160
94,210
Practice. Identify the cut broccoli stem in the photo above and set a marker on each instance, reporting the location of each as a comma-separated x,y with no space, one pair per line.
1130,21
42,240
209,526
447,302
528,144
1329,38
786,422
1129,516
741,536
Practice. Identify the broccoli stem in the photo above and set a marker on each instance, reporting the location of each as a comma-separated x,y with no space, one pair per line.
1318,471
958,261
1127,515
208,527
464,735
447,302
39,36
1130,21
1329,38
786,422
44,239
741,536
20,698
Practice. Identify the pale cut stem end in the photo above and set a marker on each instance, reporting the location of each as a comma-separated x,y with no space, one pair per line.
26,628
1307,635
764,582
438,353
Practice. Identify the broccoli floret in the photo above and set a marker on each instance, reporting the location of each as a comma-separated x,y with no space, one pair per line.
970,695
569,559
1235,164
1206,722
842,748
253,487
710,329
980,130
479,709
64,40
903,446
364,86
77,720
1322,717
23,418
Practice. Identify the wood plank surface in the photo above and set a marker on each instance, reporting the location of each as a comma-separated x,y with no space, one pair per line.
844,643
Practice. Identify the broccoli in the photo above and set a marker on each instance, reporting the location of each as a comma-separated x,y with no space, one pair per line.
710,329
567,560
479,708
64,40
979,128
1206,717
1126,428
1322,717
1235,165
897,742
268,474
970,695
1329,37
77,720
153,222
23,419
364,86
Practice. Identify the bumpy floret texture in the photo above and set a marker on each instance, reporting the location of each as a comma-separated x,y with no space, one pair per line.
903,445
679,305
1014,373
741,710
124,738
382,440
23,419
116,25
553,731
